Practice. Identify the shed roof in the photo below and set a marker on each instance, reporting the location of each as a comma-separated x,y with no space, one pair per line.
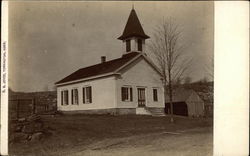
181,94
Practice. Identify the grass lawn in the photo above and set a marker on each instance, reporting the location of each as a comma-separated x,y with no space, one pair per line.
74,133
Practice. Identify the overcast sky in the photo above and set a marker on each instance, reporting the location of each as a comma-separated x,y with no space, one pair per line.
50,40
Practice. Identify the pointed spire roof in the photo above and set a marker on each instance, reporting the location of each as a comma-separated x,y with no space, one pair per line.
133,27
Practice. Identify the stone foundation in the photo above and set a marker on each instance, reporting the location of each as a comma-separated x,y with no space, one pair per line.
125,111
155,109
115,111
111,111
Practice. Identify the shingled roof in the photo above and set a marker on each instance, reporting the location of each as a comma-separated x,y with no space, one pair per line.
99,69
133,27
180,95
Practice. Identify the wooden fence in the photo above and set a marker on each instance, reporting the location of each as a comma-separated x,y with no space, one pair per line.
19,108
23,107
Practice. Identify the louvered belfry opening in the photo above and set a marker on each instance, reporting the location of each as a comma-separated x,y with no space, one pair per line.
133,35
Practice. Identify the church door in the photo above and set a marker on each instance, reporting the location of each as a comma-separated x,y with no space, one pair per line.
141,97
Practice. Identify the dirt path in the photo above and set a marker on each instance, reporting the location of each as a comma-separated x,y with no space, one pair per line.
194,142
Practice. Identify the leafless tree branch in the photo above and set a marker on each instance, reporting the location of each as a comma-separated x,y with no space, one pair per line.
169,55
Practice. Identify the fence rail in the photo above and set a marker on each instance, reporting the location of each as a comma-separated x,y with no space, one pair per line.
21,107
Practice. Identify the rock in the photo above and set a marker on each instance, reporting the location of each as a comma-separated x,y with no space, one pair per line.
29,137
38,126
33,117
28,128
21,119
11,138
36,137
18,137
18,128
12,127
49,128
33,127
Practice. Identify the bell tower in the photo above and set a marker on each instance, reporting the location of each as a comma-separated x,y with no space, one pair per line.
133,36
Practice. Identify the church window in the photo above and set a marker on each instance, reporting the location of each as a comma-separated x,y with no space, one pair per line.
155,95
87,94
127,94
74,96
64,97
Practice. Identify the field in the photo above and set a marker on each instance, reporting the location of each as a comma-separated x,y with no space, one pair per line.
77,135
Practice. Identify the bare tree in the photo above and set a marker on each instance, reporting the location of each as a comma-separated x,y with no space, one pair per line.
187,80
209,68
169,55
204,80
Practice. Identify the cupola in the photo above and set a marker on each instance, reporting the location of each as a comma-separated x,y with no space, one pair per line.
133,36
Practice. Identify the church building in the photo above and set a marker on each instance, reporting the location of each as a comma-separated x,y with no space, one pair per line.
131,84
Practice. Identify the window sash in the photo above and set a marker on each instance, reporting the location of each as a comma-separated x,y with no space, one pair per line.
65,97
61,97
123,93
127,93
87,95
74,96
155,95
83,95
131,94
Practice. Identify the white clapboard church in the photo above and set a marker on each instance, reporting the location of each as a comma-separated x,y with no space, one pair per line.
131,84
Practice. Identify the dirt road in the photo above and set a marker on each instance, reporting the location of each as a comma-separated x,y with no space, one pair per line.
193,142
105,135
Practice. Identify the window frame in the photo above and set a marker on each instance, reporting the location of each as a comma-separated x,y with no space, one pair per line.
155,95
127,96
86,95
63,93
74,101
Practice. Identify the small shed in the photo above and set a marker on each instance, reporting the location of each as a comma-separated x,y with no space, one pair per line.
207,97
186,102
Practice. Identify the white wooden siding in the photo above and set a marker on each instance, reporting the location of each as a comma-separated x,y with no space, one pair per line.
195,105
103,95
140,74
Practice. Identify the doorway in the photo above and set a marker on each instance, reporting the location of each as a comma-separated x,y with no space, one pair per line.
141,97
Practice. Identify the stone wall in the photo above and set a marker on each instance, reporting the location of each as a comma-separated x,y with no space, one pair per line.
29,129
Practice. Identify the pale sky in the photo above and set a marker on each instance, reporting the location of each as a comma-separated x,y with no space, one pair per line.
50,40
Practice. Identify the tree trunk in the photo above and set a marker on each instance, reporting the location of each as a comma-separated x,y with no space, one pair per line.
170,97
